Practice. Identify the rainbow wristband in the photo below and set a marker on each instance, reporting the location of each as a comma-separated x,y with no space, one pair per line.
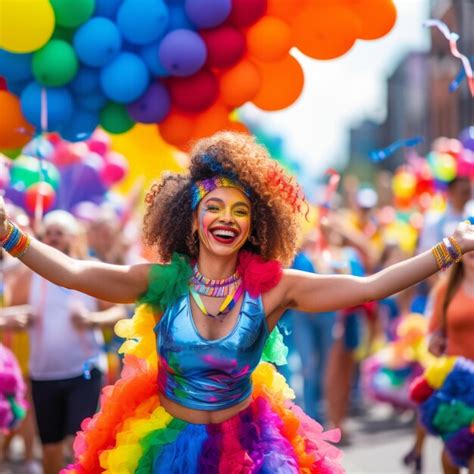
16,242
450,247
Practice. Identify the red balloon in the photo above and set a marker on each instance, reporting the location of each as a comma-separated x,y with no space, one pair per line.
38,191
194,93
247,12
225,46
3,84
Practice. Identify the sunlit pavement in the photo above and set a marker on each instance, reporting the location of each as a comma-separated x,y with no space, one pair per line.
380,438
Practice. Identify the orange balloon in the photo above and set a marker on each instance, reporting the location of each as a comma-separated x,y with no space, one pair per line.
212,120
325,31
284,8
377,17
282,83
240,84
15,131
237,127
269,39
177,128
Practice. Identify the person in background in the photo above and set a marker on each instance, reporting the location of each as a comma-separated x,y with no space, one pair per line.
66,360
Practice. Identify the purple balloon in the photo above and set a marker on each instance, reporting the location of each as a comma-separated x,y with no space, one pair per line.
16,195
207,13
153,106
182,52
466,137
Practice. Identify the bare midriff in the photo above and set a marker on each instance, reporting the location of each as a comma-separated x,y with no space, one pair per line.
201,417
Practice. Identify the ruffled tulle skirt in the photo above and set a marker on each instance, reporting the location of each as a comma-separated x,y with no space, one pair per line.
445,394
134,434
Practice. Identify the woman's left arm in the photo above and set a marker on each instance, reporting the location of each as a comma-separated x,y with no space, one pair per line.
316,293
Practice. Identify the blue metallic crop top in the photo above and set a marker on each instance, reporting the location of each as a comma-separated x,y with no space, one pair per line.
207,374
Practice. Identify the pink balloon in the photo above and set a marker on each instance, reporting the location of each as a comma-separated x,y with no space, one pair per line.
69,153
99,142
115,168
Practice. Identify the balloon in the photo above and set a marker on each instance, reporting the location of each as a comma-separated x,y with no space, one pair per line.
27,170
55,64
86,211
153,106
142,21
115,119
17,87
377,17
195,93
26,25
15,131
466,164
115,168
3,84
283,8
97,42
15,67
325,31
39,191
72,13
95,160
92,102
269,39
107,8
247,76
99,142
207,13
247,12
225,46
182,52
177,128
444,167
282,83
80,126
68,153
178,18
215,118
39,147
125,79
466,137
65,34
404,185
87,81
59,105
150,55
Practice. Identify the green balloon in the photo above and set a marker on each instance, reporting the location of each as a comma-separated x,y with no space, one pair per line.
114,118
72,13
26,171
55,64
12,152
65,34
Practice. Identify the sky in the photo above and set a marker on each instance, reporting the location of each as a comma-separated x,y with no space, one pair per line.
341,93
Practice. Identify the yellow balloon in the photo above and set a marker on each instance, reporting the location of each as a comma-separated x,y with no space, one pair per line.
147,155
25,25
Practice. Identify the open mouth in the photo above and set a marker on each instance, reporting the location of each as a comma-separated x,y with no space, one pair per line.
225,235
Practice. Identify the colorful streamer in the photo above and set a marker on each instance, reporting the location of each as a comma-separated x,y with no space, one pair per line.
379,155
453,38
459,78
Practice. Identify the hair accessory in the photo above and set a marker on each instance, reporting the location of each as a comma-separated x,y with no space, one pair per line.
16,242
205,186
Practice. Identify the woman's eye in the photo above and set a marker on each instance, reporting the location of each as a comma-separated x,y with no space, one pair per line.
241,213
212,209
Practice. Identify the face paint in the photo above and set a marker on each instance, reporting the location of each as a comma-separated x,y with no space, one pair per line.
223,220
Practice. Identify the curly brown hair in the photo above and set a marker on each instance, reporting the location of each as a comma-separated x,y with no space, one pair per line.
275,197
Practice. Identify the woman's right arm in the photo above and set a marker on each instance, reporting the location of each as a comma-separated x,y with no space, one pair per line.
114,283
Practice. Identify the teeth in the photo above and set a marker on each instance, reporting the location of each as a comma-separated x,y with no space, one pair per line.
224,233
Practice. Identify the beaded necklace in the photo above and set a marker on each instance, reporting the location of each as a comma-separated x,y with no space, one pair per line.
216,288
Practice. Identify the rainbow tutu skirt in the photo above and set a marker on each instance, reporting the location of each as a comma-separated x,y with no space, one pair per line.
134,434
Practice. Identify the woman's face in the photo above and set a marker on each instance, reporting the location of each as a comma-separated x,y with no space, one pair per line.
223,220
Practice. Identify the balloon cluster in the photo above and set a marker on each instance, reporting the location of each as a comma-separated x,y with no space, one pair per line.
416,182
56,174
446,405
387,375
184,65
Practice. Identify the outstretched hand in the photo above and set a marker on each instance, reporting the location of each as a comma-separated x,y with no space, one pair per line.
464,235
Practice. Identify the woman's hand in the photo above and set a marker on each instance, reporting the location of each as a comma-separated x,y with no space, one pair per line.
3,219
464,235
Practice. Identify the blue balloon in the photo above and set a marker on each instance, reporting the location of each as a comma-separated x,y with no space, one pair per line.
208,13
87,81
17,87
80,126
59,105
15,67
107,8
125,79
178,18
150,55
142,21
97,42
91,102
182,52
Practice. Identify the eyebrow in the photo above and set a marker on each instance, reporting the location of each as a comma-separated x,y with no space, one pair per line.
240,203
